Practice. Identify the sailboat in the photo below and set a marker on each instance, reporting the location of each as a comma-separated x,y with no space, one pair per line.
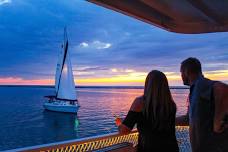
65,98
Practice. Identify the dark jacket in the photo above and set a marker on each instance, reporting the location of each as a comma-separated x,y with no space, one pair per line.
201,116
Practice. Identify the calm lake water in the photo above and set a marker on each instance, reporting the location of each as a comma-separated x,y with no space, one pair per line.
24,122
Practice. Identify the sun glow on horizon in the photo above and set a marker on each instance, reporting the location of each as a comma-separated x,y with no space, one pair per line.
131,79
21,81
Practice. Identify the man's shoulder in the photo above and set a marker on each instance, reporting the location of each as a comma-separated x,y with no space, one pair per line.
204,88
205,83
205,80
216,85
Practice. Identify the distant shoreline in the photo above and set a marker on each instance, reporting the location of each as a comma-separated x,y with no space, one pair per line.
107,87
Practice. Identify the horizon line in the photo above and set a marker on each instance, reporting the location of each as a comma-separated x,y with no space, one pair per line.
88,86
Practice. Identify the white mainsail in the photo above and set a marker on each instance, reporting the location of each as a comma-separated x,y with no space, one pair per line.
64,80
59,66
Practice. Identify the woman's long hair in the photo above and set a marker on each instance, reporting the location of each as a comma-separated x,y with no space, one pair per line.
158,102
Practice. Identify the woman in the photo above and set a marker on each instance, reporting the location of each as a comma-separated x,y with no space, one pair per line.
154,113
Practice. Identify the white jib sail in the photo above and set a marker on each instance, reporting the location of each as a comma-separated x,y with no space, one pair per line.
64,82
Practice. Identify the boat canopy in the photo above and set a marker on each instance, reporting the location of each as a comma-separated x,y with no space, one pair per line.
180,16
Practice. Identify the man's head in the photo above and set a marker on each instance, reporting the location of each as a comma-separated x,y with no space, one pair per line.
190,70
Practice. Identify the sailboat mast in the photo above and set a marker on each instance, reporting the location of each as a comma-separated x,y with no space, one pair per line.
64,57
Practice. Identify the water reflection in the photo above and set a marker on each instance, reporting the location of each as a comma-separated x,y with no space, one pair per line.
76,123
60,125
30,125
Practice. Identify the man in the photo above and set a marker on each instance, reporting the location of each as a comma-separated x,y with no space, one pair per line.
201,111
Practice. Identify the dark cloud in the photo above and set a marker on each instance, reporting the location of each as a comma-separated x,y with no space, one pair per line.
32,33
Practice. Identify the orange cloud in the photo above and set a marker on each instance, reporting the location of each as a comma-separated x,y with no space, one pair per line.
20,81
131,79
128,79
221,75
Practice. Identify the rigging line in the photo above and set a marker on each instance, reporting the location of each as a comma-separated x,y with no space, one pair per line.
65,53
65,36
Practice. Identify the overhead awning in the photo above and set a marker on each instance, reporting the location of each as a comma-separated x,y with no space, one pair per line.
181,16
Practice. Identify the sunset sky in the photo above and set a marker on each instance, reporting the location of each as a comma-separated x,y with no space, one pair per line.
107,48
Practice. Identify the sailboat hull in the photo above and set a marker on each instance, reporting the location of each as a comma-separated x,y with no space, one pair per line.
61,106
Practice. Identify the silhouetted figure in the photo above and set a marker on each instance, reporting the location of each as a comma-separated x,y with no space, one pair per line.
204,111
154,114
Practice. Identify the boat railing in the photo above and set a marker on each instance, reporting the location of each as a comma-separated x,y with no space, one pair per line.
103,141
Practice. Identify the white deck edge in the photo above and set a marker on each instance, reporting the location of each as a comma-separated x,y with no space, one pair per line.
61,142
